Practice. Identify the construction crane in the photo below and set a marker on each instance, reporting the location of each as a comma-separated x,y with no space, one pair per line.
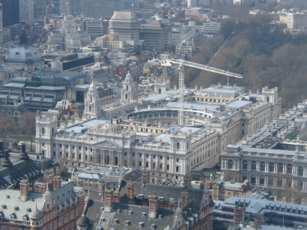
168,62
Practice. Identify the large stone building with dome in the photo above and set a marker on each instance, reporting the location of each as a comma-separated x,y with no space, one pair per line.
139,129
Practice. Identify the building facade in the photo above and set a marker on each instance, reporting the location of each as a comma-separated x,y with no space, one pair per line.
270,161
50,205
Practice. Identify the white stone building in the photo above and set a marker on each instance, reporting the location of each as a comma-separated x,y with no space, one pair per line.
148,137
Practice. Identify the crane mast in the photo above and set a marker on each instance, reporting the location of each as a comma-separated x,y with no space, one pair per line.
166,62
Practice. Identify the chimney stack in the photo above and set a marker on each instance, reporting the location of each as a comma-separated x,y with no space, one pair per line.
184,200
24,187
239,212
56,182
152,206
107,200
23,155
130,192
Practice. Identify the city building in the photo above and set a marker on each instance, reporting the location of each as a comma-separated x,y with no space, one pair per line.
258,212
16,166
150,138
273,159
156,207
125,25
96,178
94,27
151,34
10,12
45,205
26,11
41,92
295,21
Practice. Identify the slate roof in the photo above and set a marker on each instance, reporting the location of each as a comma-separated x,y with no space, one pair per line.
15,167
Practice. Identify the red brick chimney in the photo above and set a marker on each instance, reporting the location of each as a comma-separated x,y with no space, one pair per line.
56,182
239,212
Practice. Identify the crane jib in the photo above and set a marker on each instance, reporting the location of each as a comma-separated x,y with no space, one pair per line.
181,62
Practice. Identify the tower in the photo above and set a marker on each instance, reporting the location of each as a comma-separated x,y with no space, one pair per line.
91,105
46,124
162,83
129,90
125,25
26,11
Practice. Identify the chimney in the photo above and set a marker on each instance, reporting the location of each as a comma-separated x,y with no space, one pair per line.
107,200
130,192
184,200
56,182
239,212
23,155
152,206
24,187
115,198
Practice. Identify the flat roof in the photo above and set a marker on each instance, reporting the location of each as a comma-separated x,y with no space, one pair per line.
82,127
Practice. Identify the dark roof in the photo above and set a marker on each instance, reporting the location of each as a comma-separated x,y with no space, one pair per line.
139,214
15,167
168,192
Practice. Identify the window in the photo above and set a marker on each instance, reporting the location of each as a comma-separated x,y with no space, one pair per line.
271,167
177,168
178,145
262,166
289,168
230,164
107,160
261,181
167,167
279,182
270,181
254,164
245,164
299,185
300,171
253,180
280,167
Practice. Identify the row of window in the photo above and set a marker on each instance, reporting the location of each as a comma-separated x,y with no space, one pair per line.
279,182
252,165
